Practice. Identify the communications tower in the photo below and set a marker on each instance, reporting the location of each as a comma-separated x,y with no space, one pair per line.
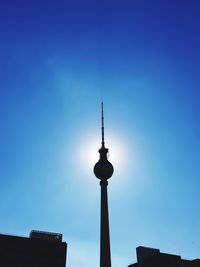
103,170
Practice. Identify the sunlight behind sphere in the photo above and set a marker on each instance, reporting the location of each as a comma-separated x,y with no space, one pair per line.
87,153
122,154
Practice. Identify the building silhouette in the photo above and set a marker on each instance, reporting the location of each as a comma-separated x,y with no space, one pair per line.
40,249
150,257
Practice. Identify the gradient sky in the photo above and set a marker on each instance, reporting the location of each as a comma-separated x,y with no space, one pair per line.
58,61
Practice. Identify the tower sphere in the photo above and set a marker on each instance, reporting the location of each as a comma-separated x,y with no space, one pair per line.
103,169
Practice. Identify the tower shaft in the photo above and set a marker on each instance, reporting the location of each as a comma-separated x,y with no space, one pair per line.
105,257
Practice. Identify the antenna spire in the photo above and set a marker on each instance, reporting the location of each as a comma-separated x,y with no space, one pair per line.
102,127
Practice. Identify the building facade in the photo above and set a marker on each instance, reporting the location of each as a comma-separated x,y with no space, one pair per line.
40,249
149,257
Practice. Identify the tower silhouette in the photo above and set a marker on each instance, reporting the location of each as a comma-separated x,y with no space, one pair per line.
103,170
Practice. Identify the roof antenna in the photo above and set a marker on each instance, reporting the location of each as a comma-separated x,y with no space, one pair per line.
102,127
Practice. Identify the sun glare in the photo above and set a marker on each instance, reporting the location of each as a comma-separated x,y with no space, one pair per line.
88,153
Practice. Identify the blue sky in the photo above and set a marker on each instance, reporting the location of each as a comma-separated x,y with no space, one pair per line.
58,61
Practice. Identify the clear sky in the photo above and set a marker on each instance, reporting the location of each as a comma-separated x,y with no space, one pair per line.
58,61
